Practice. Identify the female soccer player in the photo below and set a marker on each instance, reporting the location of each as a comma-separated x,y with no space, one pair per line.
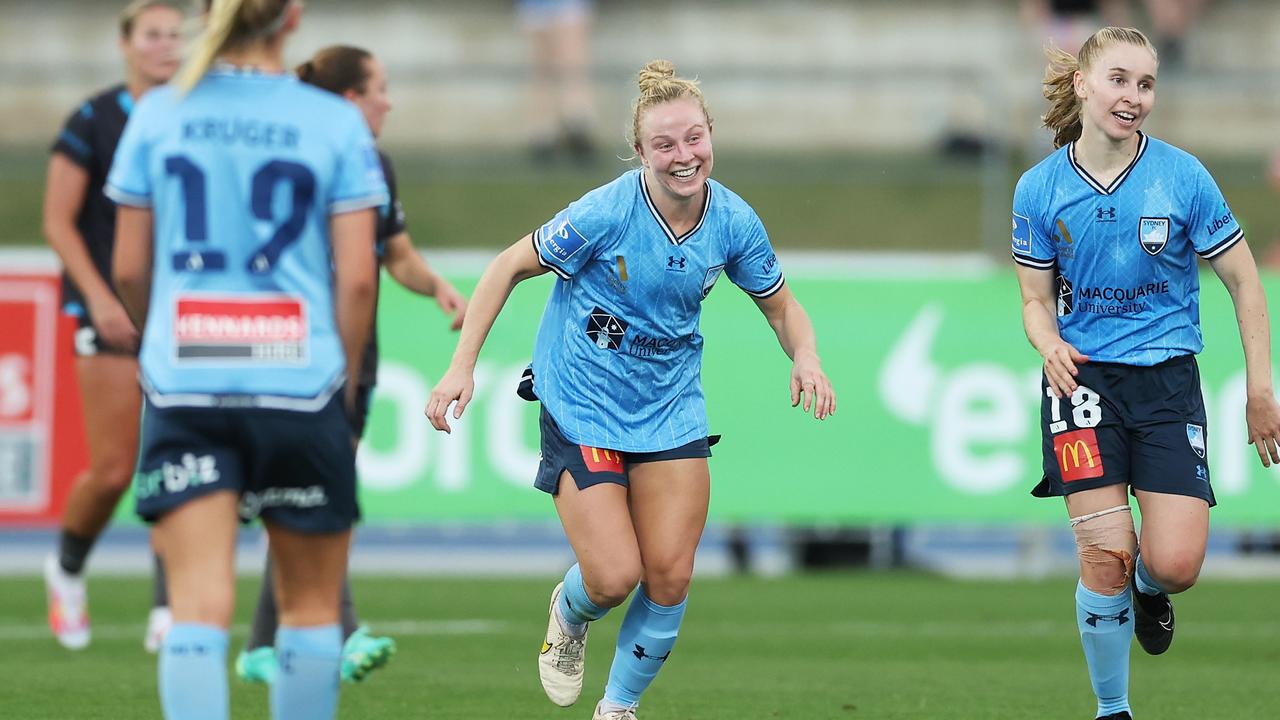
358,76
79,223
1106,232
245,232
617,367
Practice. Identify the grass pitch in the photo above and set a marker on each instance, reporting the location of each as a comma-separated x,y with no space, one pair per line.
847,646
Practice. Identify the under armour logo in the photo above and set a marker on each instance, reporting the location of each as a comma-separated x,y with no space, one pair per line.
1121,618
640,655
675,263
1106,213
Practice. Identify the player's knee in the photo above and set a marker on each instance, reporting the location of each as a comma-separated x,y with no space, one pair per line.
1175,574
667,585
611,587
113,474
212,606
1106,544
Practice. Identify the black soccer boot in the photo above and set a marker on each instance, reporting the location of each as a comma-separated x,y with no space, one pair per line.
1152,620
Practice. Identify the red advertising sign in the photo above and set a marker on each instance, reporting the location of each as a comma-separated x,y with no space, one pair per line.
41,439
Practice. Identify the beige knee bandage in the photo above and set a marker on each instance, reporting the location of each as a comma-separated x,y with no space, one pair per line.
1107,544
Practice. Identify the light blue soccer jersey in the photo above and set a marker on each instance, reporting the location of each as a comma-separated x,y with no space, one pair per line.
618,359
1124,255
243,174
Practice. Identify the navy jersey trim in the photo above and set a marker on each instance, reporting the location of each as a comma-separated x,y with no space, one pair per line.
1115,184
767,292
1028,261
537,251
1223,246
662,222
76,144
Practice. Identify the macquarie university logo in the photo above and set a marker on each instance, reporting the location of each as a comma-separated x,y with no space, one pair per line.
1065,295
1078,455
1153,233
605,330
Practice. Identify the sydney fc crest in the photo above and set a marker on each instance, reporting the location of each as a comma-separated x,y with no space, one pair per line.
1153,233
1195,437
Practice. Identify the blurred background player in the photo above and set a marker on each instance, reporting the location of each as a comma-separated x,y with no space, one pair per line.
246,226
1106,232
358,76
563,109
628,468
79,223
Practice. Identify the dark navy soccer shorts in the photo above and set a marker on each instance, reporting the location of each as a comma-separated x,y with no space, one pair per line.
289,467
87,343
592,466
1142,426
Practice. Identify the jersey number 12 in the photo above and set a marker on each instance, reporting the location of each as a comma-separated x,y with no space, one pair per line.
262,189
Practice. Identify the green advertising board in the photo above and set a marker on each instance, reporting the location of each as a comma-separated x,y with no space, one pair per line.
938,405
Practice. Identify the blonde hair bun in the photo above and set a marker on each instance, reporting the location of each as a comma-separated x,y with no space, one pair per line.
654,75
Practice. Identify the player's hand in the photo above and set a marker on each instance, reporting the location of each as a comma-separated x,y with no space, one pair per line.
113,326
1262,415
451,302
810,385
456,385
1060,361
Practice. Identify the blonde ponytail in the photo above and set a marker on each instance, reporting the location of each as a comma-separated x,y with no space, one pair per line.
1063,116
211,41
229,23
658,84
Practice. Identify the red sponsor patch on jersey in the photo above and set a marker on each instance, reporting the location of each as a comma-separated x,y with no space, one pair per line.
601,460
1078,454
253,328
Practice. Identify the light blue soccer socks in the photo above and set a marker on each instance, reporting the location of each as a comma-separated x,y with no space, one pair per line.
1147,585
645,640
193,673
306,687
576,609
1106,631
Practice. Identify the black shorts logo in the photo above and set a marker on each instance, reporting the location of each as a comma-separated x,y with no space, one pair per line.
605,330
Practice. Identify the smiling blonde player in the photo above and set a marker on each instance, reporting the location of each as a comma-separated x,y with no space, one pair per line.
1106,232
617,367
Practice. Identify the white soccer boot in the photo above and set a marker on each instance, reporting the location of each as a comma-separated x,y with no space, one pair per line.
614,713
159,620
561,659
68,605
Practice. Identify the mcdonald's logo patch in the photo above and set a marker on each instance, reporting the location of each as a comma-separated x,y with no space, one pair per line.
601,460
1078,455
